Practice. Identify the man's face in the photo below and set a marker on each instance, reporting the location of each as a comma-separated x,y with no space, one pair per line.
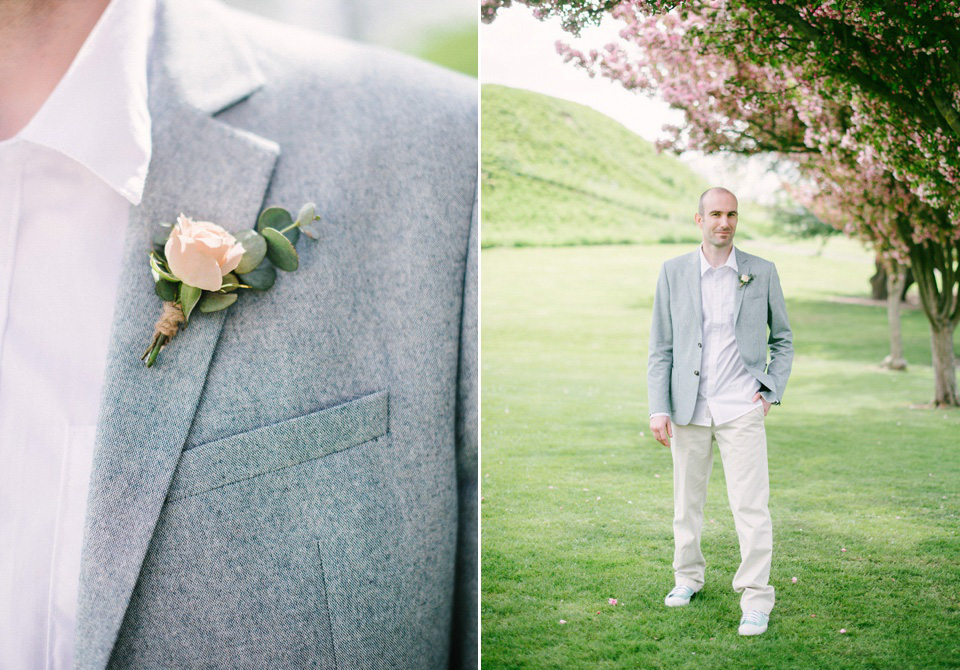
719,220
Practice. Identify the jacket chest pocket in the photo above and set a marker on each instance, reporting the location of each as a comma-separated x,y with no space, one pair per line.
281,445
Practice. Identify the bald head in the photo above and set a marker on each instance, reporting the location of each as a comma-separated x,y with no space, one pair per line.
715,190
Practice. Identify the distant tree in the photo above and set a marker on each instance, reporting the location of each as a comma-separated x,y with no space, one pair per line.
799,222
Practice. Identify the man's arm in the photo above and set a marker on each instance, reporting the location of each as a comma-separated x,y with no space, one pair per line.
463,649
660,362
781,338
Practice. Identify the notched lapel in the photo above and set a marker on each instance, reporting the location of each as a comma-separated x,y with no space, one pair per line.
206,170
693,278
743,268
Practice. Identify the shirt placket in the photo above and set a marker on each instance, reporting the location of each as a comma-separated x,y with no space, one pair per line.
11,195
716,323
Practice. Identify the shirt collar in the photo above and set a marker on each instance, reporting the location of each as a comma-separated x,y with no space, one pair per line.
731,261
98,114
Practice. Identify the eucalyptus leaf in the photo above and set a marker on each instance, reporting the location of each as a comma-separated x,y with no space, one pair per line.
278,218
262,278
255,249
189,295
230,282
307,214
214,302
280,251
166,290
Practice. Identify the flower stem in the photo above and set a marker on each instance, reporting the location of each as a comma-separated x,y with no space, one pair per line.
159,341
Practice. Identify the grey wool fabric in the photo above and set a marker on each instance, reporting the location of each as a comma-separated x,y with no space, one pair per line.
293,485
676,333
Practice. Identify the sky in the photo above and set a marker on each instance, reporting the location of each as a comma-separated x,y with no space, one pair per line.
518,50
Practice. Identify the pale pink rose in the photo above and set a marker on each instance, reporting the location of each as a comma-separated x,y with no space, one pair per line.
199,253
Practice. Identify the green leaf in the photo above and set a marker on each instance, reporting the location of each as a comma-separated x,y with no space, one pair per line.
279,218
230,283
189,295
167,290
214,302
255,249
159,269
262,278
307,214
280,250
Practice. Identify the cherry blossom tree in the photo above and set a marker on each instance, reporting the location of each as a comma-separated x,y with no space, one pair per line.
862,95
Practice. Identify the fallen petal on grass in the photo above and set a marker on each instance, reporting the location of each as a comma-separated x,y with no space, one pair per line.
843,630
562,621
612,601
793,579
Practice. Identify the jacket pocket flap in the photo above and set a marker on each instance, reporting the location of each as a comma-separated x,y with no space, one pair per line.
280,445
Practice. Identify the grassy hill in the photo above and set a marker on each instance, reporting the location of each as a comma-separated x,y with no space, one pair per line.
558,173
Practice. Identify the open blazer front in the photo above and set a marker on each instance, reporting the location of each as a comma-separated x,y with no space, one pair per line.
676,333
294,483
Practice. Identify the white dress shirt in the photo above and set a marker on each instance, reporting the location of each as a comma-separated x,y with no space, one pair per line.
726,387
67,181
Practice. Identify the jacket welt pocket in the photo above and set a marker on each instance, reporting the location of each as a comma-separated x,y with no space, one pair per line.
280,445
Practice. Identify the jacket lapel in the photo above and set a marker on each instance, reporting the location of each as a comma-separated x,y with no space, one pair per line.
207,170
694,281
743,268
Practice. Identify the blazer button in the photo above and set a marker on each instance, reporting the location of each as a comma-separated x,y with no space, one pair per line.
696,372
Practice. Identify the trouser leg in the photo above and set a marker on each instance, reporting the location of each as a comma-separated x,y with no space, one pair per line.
692,453
743,451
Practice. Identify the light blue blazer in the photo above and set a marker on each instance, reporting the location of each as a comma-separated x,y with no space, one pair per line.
293,484
676,334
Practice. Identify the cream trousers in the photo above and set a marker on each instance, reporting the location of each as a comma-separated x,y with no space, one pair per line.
743,451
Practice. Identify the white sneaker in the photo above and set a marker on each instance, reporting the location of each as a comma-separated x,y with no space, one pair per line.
678,596
753,622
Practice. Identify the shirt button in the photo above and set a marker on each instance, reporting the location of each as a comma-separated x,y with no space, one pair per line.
699,345
696,372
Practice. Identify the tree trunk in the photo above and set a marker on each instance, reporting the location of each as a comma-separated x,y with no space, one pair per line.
896,280
879,281
936,269
944,372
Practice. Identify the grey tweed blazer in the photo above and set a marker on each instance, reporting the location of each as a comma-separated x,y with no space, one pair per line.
294,483
676,333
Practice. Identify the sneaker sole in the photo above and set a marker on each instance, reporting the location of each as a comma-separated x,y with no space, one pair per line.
753,631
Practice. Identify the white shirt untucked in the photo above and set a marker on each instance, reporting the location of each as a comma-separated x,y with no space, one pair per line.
67,181
726,387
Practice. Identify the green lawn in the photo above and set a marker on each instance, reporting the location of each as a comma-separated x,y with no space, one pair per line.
453,47
577,496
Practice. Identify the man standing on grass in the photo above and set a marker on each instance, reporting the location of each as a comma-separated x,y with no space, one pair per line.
708,379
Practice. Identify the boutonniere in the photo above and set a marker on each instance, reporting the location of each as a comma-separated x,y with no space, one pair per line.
197,265
745,279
